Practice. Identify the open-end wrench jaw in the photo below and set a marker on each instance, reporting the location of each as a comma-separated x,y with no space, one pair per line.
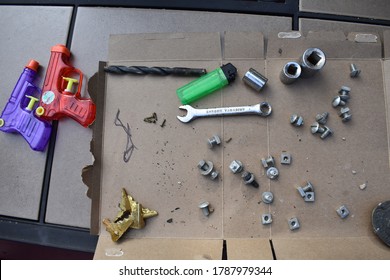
189,116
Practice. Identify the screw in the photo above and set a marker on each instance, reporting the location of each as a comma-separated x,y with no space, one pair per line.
326,133
215,140
355,72
344,93
272,173
308,188
316,128
249,178
205,208
214,175
267,197
337,101
345,114
322,118
296,120
236,166
268,162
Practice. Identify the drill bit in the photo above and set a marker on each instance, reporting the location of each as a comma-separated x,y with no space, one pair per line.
161,71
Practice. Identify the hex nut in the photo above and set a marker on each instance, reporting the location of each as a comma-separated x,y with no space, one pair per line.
342,211
266,219
293,223
236,166
309,197
285,158
272,173
267,197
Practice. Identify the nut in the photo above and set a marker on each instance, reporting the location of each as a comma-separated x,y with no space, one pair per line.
266,219
296,120
236,166
272,173
215,140
293,223
342,211
285,158
267,197
309,197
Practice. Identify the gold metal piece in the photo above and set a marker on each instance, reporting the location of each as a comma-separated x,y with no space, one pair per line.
131,215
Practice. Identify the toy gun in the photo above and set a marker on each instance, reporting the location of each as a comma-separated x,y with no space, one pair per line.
57,99
18,115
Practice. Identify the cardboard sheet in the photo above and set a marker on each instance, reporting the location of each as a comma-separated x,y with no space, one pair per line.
162,172
22,169
72,150
379,9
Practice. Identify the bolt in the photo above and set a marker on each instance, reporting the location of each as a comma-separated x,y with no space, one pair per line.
308,188
326,133
344,93
236,166
215,140
322,118
316,128
268,162
205,208
267,197
345,114
355,72
205,167
249,178
337,101
296,120
272,173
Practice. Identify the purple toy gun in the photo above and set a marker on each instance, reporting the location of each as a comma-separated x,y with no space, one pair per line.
18,114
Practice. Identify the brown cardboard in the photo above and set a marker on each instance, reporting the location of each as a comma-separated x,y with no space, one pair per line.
90,47
159,249
386,42
306,25
162,172
379,9
21,168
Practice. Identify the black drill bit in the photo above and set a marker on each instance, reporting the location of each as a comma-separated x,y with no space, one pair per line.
161,71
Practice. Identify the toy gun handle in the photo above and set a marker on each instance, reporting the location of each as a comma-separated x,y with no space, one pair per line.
18,114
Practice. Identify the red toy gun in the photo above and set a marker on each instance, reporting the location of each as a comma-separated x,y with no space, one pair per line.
57,99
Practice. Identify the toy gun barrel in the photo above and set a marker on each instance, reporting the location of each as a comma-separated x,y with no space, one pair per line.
18,115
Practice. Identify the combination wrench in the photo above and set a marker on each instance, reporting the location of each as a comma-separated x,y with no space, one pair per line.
263,109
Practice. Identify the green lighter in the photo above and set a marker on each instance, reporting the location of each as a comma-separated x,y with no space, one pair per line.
207,84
